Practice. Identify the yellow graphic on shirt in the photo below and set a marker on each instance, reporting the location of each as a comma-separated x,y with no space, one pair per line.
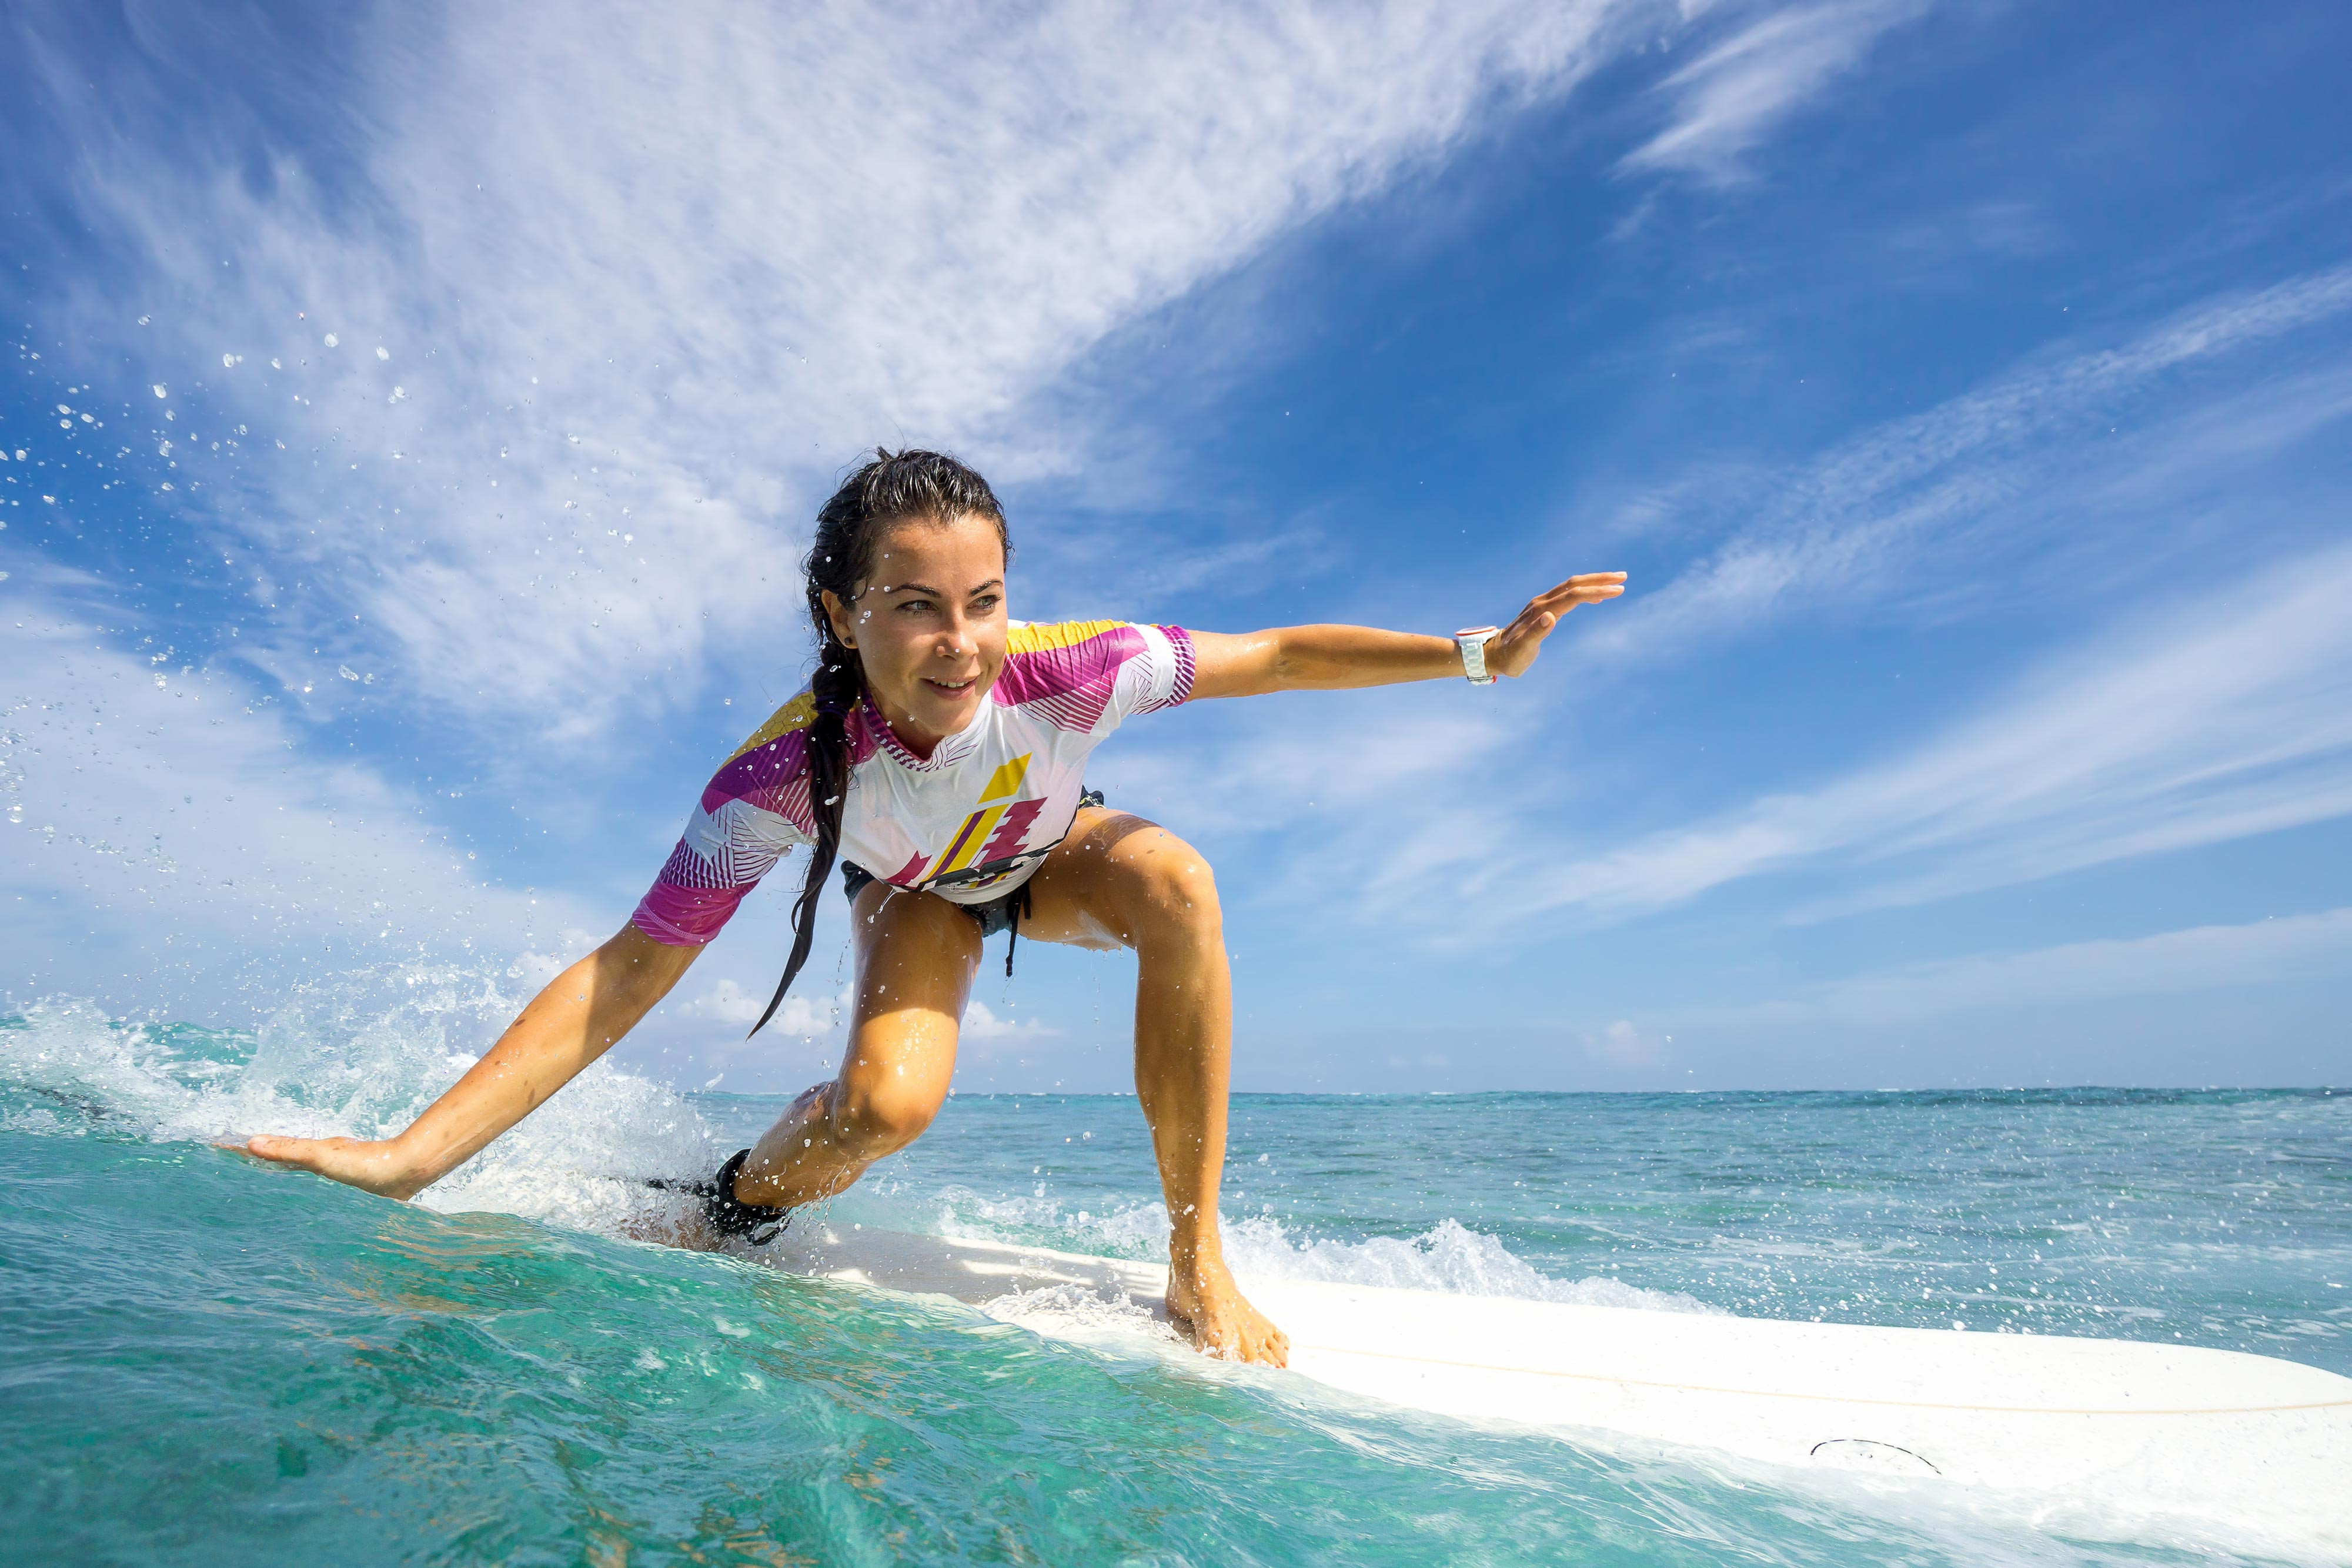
965,847
1005,783
1040,635
798,713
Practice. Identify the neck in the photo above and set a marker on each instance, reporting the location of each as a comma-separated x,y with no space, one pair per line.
911,735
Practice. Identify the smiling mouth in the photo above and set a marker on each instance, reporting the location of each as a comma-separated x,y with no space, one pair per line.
953,688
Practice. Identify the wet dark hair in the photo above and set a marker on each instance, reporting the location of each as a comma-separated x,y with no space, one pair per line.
892,488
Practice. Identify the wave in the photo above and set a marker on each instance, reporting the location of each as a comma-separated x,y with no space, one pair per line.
360,1055
353,1056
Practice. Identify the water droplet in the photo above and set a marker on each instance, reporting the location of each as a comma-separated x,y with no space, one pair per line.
227,360
160,391
330,340
382,353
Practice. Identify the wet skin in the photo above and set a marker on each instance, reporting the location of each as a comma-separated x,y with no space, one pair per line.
930,632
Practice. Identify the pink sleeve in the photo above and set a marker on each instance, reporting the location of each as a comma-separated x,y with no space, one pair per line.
754,809
1074,674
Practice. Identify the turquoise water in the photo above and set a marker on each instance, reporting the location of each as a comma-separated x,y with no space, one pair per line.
204,1361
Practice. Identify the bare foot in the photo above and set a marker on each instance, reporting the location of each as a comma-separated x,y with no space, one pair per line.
1203,1297
371,1167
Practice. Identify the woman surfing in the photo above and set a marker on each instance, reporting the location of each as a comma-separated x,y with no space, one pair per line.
939,755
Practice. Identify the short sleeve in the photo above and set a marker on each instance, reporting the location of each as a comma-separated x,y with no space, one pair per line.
1086,676
1162,674
754,809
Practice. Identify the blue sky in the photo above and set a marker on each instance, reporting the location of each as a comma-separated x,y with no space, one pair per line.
1966,390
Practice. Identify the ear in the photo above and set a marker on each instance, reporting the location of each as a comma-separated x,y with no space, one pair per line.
837,614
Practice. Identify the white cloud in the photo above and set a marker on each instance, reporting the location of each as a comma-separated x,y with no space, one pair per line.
1733,96
981,1023
2222,715
2204,959
1868,516
149,799
644,279
817,1018
1625,1044
800,1017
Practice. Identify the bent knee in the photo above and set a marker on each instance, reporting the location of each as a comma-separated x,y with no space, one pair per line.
883,1115
1175,890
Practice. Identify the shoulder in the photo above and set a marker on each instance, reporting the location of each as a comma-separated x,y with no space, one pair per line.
776,751
1052,658
1077,670
1030,638
790,719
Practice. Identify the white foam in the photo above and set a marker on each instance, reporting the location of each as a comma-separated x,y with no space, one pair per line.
359,1056
1079,1313
1449,1257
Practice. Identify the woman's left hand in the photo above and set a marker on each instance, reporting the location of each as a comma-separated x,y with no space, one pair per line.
1513,650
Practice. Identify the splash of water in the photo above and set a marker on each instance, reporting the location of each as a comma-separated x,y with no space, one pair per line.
354,1056
1450,1257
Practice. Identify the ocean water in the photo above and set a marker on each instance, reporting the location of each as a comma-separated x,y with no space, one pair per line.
205,1361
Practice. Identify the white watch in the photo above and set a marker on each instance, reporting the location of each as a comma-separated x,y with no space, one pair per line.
1472,641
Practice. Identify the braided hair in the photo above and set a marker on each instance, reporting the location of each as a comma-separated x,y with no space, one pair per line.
890,487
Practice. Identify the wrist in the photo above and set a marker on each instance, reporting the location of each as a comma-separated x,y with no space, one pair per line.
405,1167
1471,644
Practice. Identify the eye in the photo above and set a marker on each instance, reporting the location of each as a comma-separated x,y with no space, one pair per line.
986,602
915,607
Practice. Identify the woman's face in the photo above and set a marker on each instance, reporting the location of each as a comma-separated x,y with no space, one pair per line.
928,626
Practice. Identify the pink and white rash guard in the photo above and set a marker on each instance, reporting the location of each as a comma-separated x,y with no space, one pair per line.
970,822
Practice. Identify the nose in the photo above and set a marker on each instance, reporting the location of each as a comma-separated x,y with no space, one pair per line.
956,640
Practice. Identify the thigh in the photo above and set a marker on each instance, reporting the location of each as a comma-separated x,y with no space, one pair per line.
916,956
1102,883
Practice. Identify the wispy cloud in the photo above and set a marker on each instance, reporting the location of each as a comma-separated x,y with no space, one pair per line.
153,800
1864,520
800,1017
638,288
1729,99
2223,715
2172,963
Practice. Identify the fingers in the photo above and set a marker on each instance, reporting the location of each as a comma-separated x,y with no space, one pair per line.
278,1151
1588,587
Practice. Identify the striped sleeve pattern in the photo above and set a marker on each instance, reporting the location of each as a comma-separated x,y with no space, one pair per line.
1074,673
754,809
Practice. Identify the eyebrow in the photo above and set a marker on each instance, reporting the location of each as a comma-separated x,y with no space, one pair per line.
935,593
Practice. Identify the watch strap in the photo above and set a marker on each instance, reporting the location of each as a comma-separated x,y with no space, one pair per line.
1472,641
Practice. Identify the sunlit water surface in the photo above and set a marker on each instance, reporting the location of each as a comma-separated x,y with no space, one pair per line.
202,1360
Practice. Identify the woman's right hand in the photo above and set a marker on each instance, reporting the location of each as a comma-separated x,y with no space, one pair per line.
578,1017
376,1167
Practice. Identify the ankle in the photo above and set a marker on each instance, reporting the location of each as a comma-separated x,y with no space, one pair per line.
1196,1252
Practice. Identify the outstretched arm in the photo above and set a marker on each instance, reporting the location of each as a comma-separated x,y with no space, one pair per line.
567,1026
1332,658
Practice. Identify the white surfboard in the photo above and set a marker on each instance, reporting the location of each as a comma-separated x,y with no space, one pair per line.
2078,1430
